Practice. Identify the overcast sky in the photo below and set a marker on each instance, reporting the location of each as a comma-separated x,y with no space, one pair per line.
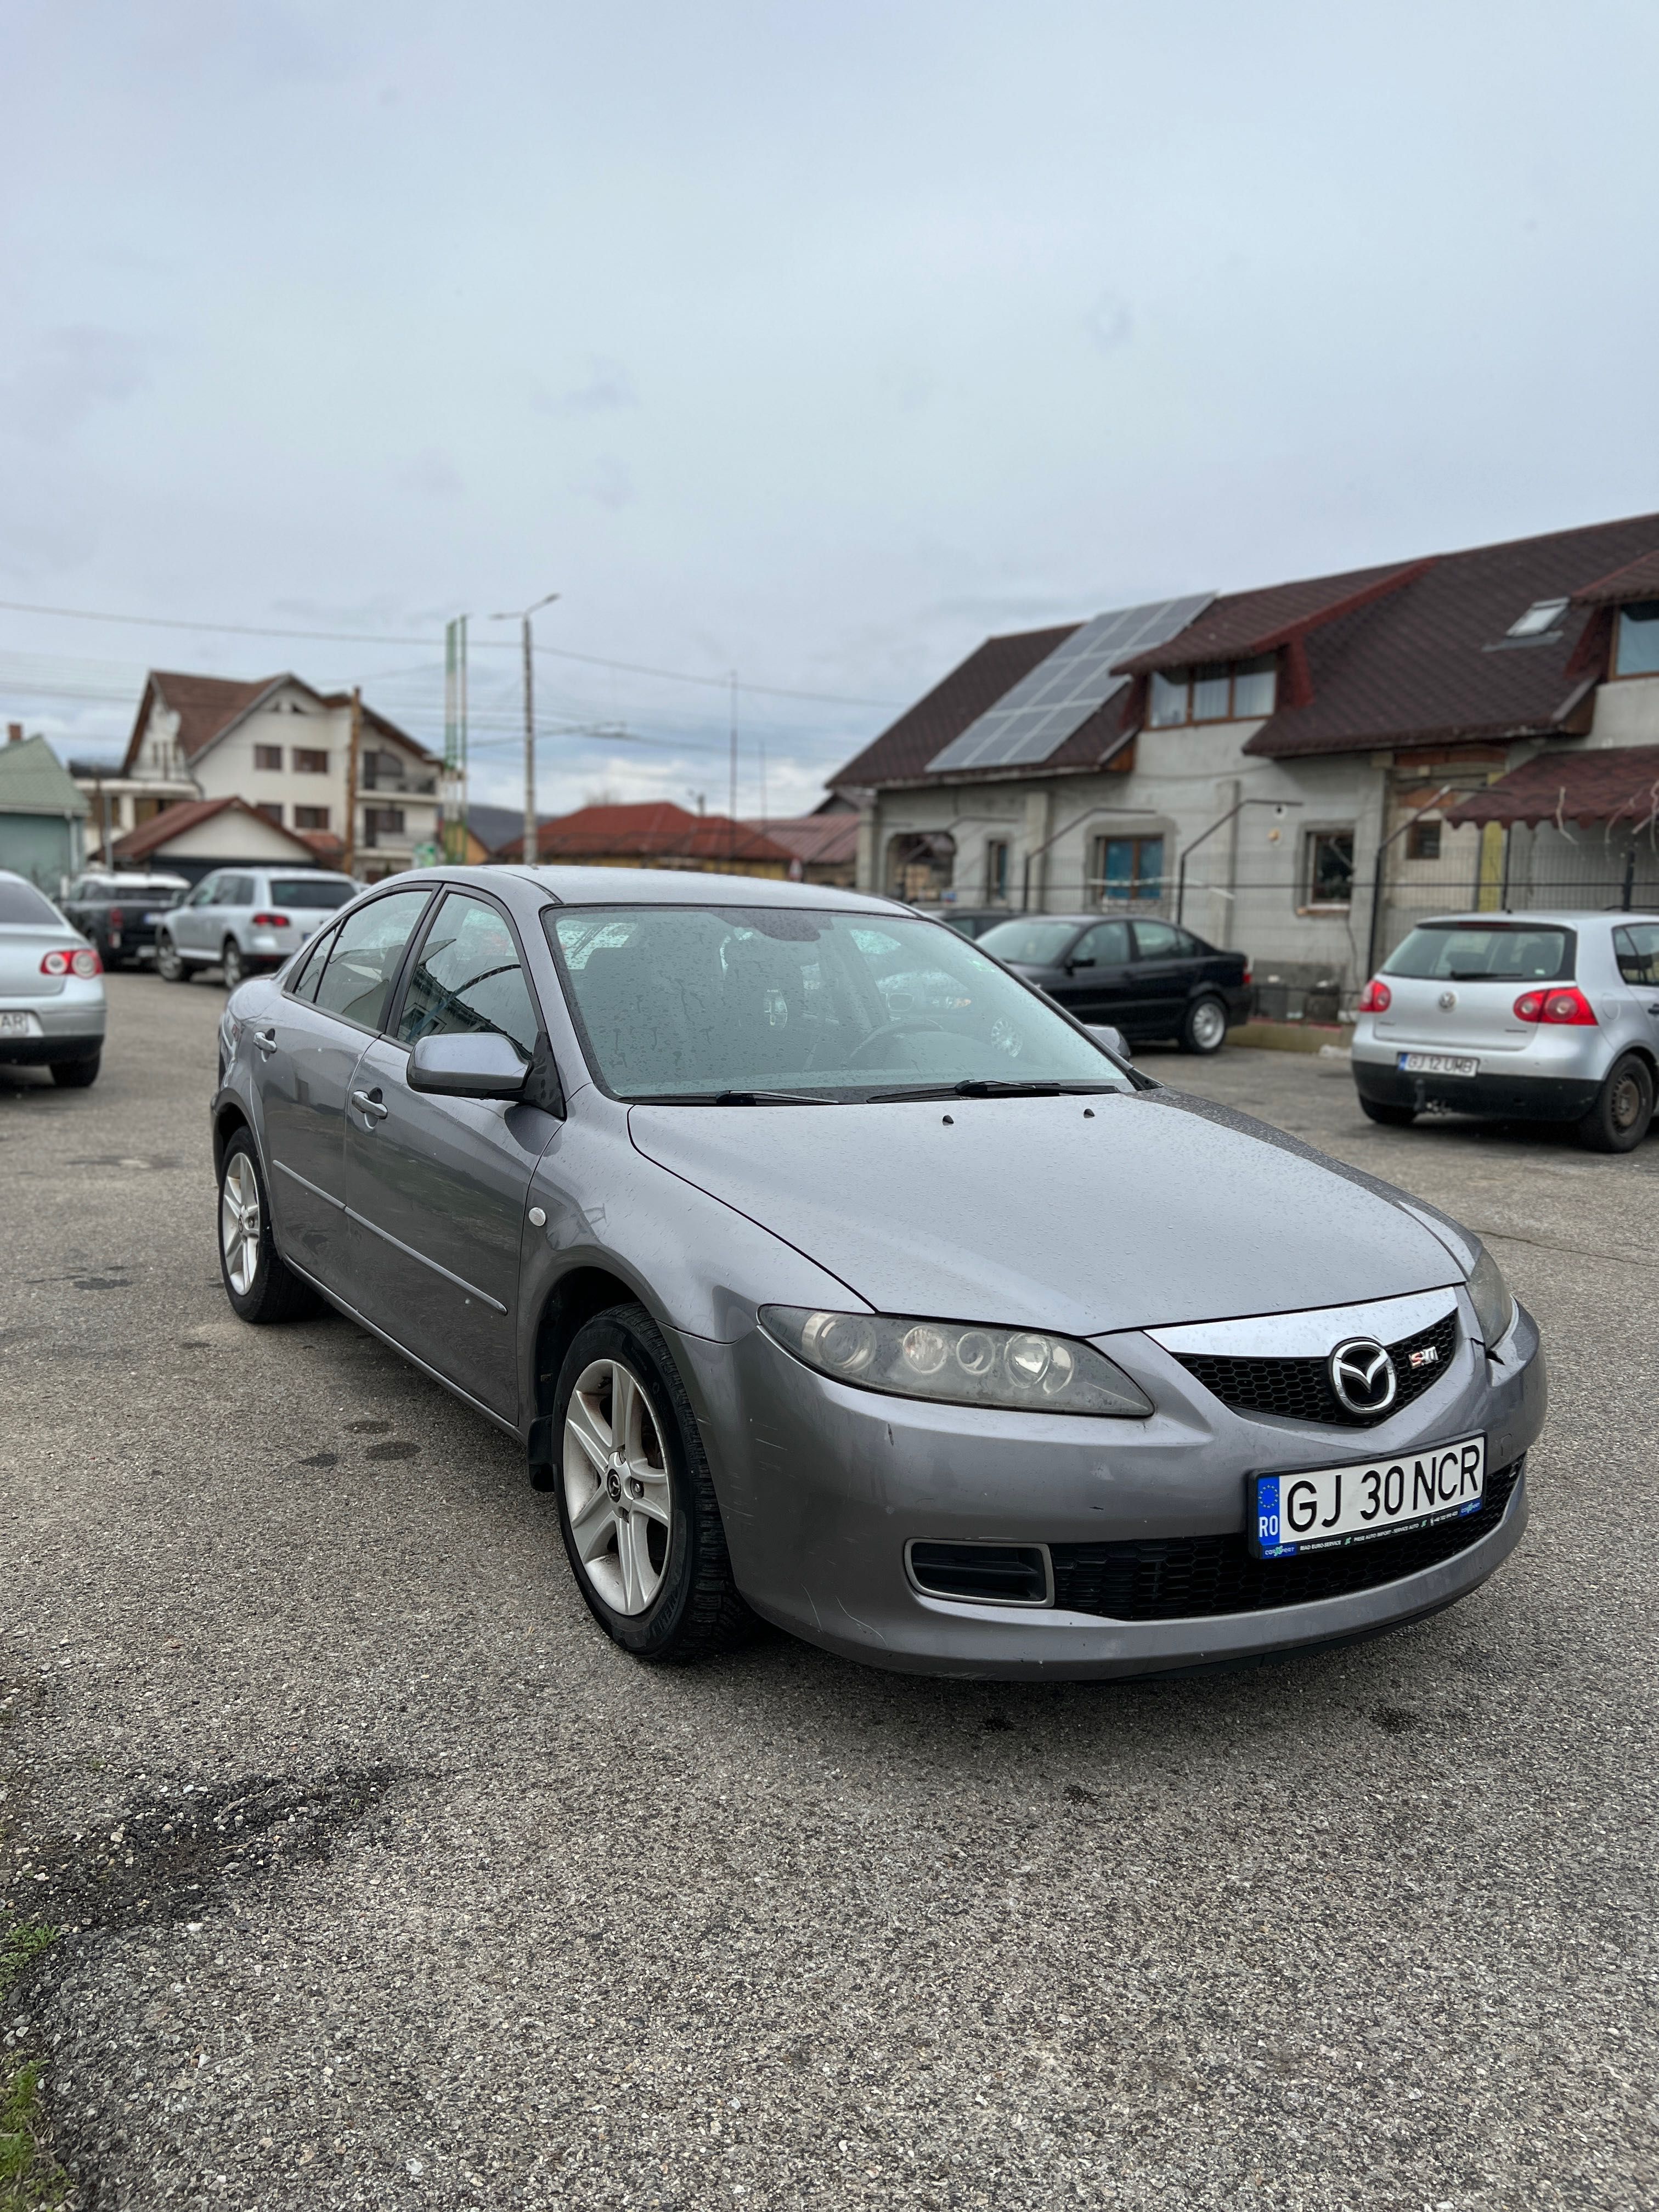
814,341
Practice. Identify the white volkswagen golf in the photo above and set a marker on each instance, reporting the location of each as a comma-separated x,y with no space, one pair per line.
1536,1017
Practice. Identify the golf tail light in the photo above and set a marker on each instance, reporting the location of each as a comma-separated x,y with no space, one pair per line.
1017,1370
1568,1006
270,922
1376,998
82,961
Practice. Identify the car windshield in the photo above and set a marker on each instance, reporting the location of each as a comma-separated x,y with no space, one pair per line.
314,892
22,907
1029,944
1476,953
774,1003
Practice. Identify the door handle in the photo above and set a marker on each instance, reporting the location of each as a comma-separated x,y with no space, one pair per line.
368,1104
266,1041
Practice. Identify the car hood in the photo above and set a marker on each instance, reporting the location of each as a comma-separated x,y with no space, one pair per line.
1156,1210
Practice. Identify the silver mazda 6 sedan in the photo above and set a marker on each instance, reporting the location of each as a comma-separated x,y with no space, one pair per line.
826,1271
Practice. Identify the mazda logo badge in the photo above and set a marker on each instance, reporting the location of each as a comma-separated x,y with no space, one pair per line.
1447,1001
1363,1377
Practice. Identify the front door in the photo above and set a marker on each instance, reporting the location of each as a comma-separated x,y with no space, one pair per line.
309,1049
1093,989
438,1187
192,923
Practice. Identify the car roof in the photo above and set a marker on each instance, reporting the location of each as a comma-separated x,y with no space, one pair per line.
1550,917
656,887
277,868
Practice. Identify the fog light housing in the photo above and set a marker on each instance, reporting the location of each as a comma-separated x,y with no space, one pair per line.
983,1574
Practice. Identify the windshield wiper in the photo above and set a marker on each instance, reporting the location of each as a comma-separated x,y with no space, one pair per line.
772,1098
994,1086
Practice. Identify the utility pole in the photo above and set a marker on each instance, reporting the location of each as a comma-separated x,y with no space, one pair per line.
455,835
352,744
732,811
532,843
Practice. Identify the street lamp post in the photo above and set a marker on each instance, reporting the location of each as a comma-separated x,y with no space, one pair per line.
532,849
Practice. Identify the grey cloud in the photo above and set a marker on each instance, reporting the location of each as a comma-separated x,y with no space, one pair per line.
70,373
606,387
433,475
606,481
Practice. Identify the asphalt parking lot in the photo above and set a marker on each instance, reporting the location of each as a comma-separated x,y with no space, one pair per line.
393,1883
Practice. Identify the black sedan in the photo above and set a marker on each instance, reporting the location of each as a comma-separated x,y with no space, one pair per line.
1150,979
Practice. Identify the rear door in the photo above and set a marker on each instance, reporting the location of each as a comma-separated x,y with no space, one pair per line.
1096,988
438,1187
1452,986
309,1047
1168,963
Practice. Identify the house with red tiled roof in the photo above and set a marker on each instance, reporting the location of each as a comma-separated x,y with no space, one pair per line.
287,749
654,834
1292,769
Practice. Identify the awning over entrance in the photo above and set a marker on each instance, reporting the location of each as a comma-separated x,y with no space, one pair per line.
1614,783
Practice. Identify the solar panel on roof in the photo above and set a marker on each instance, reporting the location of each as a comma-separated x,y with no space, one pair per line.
1044,709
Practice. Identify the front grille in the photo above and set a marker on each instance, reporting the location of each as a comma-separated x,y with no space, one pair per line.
1191,1578
1300,1389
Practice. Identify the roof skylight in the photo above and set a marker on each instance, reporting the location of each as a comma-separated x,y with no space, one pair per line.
1542,614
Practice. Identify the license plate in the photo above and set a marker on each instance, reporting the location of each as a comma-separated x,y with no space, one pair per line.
1438,1063
20,1025
1319,1509
150,921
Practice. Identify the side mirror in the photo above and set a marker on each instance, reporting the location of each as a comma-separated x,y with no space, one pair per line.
482,1064
1111,1038
1087,961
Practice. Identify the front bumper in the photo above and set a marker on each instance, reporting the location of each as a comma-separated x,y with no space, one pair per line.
822,1488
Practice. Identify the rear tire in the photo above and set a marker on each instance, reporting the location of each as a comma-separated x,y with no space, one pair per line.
1204,1025
76,1074
170,962
232,965
1623,1110
1391,1117
258,1286
635,1497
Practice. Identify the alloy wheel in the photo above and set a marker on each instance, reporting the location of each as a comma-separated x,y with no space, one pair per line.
232,967
239,1224
617,1486
1209,1024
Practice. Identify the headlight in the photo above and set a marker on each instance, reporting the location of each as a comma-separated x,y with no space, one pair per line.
1494,1308
1020,1369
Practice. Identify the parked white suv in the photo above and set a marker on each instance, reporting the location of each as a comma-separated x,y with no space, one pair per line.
242,919
1535,1017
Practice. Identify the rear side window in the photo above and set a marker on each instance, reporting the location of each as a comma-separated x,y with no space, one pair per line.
1637,948
22,907
315,894
468,978
367,952
236,891
1485,952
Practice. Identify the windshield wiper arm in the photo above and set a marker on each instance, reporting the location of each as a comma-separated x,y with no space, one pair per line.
994,1086
772,1098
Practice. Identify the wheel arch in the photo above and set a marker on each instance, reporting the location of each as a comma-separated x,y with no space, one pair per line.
226,1121
579,1293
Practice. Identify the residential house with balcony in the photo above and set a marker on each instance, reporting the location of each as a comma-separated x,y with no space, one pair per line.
286,748
1284,769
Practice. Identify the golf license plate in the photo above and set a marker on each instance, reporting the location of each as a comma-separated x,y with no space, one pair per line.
16,1025
1438,1063
1318,1509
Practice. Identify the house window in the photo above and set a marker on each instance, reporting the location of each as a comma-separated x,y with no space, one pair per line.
1539,620
1128,868
1638,640
308,760
1226,691
1423,841
311,817
268,759
1327,867
271,811
996,871
381,822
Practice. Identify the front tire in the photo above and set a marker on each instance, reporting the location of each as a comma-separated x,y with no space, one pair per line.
232,965
1204,1025
1624,1107
170,962
638,1510
258,1286
76,1074
1391,1117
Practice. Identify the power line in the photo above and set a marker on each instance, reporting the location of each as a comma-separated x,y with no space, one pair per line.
367,637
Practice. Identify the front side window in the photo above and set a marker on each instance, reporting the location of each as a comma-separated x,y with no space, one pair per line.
1638,652
1328,868
468,978
1636,949
1106,944
365,956
313,961
691,1003
1483,952
206,893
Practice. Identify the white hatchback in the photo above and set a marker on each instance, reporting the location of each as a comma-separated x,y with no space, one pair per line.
1536,1017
